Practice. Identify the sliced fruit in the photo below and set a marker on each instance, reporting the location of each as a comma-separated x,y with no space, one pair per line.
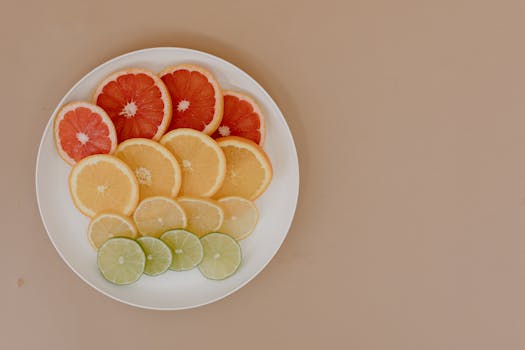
121,260
137,102
240,217
196,97
222,256
248,168
103,183
201,160
158,255
242,116
204,215
108,225
156,215
82,129
185,247
156,169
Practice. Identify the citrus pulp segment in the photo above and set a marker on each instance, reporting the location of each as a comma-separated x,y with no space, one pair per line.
103,183
82,129
196,97
202,161
137,102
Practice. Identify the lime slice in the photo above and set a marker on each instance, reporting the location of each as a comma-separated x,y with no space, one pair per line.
121,260
222,256
158,255
185,248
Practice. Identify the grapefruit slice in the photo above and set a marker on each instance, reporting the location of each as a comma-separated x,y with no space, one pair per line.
248,168
83,129
137,102
196,97
242,117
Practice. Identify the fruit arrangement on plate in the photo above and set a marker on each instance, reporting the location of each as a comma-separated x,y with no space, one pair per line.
167,167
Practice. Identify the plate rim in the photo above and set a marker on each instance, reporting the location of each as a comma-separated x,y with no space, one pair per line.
50,122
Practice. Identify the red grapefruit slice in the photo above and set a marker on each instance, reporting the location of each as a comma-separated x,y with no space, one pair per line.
242,117
137,102
82,129
196,97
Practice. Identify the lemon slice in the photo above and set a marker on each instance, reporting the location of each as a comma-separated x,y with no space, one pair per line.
204,215
121,260
185,247
156,169
201,160
103,183
156,215
158,255
107,225
222,256
240,217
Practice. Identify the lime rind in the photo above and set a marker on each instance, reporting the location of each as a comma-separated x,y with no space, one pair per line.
222,256
158,255
185,247
121,260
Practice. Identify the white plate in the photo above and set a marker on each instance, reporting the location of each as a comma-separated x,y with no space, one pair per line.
66,227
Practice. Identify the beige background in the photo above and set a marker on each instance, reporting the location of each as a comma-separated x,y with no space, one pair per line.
409,119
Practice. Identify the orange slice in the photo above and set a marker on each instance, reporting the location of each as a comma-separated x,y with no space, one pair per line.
156,169
103,183
156,215
201,160
248,168
242,117
107,225
82,129
196,97
137,102
240,217
204,215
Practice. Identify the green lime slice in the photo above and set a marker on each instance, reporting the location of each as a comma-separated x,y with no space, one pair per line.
185,248
121,260
222,256
158,255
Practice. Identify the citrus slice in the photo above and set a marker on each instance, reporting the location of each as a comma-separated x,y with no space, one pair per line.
240,217
137,102
158,255
156,215
83,129
201,160
103,183
185,247
204,215
156,169
248,168
222,256
108,225
121,260
196,97
242,117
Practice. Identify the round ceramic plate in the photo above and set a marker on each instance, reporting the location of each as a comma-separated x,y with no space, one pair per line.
66,227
